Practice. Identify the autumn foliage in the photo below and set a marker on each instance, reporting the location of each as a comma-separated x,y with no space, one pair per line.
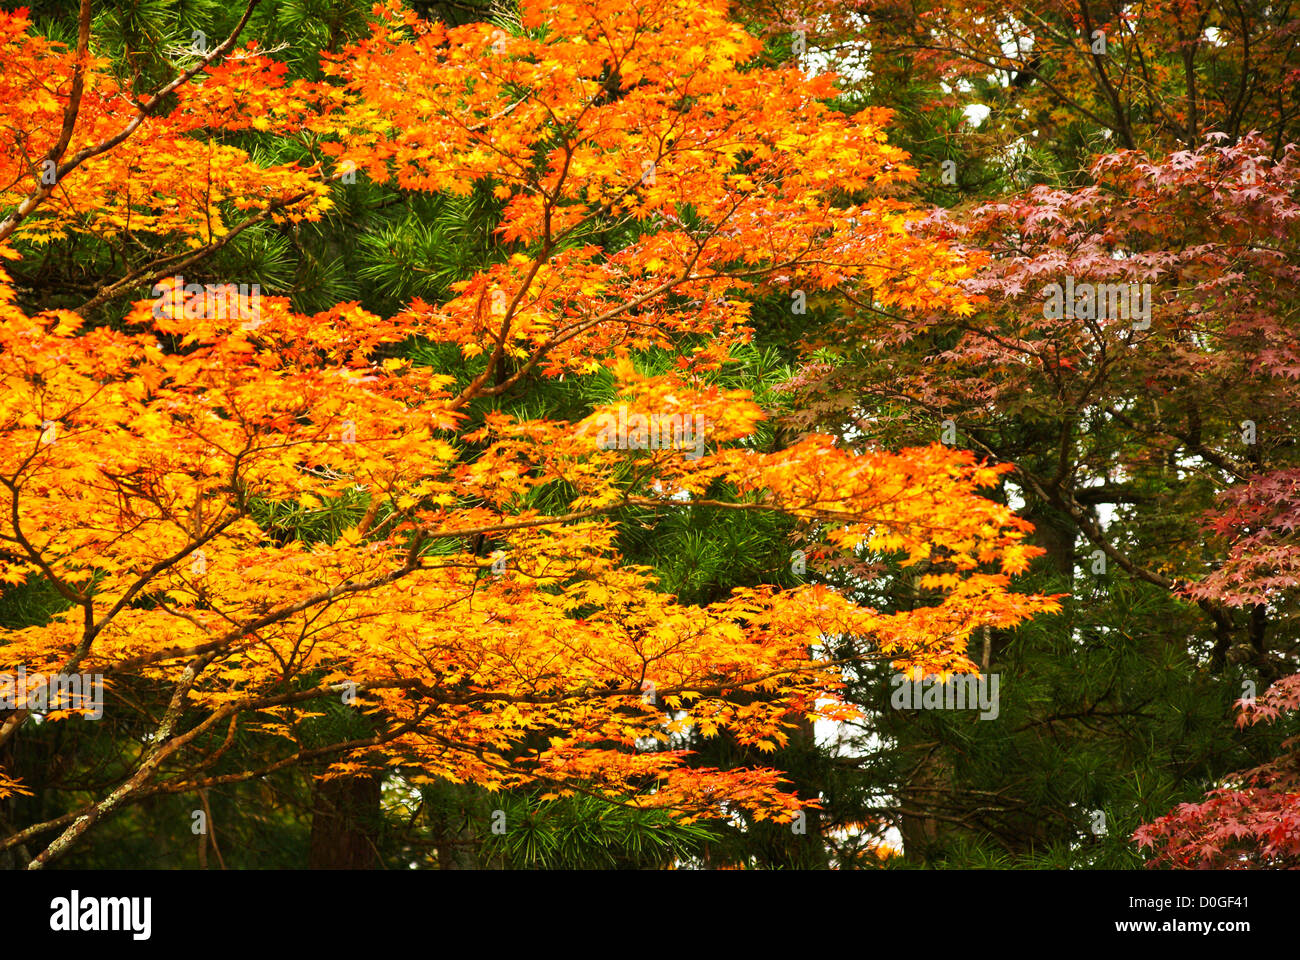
475,604
572,410
1109,147
1252,822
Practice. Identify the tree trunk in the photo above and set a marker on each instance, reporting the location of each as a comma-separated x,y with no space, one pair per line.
344,824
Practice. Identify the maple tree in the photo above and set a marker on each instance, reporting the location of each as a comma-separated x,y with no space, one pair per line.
1156,463
1158,443
1206,377
1079,78
473,602
1251,823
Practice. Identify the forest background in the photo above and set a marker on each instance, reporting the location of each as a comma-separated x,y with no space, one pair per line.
914,214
